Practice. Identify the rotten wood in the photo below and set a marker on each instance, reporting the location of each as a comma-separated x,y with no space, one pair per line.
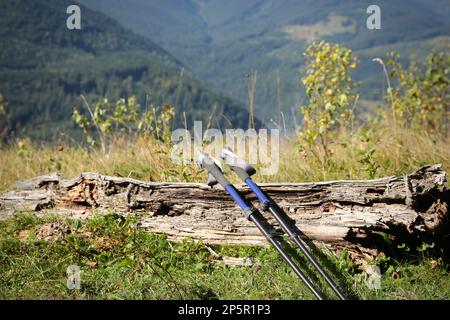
339,213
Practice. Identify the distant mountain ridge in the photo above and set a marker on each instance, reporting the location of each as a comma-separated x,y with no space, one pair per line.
222,41
44,67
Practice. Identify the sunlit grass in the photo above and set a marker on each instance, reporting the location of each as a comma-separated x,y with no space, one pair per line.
147,159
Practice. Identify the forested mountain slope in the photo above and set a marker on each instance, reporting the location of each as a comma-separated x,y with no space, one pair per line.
222,41
44,67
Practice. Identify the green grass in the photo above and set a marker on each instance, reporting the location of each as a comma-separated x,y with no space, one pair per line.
120,261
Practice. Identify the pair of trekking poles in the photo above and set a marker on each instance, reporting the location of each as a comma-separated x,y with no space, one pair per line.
245,171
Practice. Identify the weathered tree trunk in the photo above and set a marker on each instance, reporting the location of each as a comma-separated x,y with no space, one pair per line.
342,213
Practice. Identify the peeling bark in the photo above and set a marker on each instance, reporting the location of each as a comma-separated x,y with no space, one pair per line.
339,213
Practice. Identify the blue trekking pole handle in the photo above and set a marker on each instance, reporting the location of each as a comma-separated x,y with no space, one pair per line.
258,192
244,171
238,199
216,177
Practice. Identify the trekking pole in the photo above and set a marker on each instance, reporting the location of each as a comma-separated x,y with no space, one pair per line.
244,171
215,175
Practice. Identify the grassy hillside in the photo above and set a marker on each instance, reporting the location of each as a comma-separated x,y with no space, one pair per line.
222,43
44,67
119,260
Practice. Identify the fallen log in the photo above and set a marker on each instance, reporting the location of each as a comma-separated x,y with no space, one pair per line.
339,213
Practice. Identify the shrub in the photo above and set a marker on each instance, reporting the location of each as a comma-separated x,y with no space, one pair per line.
5,119
421,98
111,120
329,88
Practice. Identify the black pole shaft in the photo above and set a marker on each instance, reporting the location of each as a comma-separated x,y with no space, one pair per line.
258,219
289,230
